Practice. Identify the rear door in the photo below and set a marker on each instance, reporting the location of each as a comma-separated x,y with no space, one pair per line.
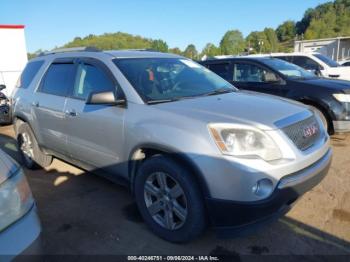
255,77
95,133
49,102
222,69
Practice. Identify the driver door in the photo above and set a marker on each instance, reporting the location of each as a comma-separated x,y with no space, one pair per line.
95,133
254,77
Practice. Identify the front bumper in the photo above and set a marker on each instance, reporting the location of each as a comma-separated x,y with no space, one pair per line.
22,237
234,215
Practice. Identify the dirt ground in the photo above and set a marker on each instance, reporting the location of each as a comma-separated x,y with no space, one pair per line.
82,213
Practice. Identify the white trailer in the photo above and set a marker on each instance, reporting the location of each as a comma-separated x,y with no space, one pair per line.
13,55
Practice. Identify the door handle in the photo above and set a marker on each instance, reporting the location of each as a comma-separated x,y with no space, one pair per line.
71,113
35,103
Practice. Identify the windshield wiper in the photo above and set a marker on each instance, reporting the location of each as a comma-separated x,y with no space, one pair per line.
219,91
159,101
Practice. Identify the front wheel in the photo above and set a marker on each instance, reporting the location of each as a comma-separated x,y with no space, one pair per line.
169,199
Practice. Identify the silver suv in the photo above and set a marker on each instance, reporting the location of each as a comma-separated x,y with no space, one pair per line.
193,149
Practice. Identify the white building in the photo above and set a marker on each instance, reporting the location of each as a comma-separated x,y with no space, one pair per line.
335,48
13,55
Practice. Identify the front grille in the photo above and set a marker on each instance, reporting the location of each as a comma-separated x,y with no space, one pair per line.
305,133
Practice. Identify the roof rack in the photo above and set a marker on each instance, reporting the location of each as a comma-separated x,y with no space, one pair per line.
72,49
139,49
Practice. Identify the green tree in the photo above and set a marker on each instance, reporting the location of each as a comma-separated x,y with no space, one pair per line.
232,43
210,50
286,31
159,45
272,40
191,52
331,19
175,50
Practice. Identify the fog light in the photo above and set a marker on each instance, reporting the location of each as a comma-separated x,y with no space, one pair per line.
263,187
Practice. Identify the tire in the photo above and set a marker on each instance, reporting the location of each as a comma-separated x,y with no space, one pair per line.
186,225
31,154
323,117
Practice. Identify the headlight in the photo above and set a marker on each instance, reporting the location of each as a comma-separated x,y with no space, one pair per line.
345,98
244,141
15,199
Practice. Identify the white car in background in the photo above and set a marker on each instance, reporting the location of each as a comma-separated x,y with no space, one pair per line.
345,62
318,63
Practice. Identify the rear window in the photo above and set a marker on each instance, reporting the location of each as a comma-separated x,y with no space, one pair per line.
29,73
58,79
221,70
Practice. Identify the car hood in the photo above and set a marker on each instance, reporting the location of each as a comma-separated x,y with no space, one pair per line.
7,166
328,83
341,72
259,110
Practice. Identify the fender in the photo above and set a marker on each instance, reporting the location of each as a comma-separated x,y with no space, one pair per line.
182,157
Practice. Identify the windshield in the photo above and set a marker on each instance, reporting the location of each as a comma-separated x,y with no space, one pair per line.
327,60
289,70
169,79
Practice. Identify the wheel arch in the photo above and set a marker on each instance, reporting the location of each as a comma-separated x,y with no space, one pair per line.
144,151
323,107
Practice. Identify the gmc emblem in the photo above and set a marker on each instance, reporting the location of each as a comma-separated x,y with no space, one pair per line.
310,130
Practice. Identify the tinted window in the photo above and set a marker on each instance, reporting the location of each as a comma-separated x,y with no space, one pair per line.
288,69
285,58
327,60
247,73
222,70
91,79
29,73
305,62
346,64
58,79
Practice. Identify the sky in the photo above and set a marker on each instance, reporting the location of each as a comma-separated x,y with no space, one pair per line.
52,23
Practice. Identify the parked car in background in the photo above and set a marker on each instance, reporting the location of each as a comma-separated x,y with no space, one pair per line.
19,222
345,63
191,147
329,98
5,109
316,63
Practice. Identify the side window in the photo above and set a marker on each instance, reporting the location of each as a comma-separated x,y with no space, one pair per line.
252,73
305,62
58,79
221,70
91,78
28,74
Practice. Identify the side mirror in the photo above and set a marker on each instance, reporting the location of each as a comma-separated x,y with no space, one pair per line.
2,87
104,98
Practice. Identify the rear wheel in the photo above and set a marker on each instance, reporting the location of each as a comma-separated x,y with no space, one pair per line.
31,154
169,199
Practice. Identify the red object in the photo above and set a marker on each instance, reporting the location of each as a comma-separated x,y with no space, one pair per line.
11,26
151,75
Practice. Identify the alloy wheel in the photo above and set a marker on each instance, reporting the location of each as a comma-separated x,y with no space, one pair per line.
165,200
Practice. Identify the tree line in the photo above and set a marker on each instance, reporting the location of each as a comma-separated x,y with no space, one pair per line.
331,19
